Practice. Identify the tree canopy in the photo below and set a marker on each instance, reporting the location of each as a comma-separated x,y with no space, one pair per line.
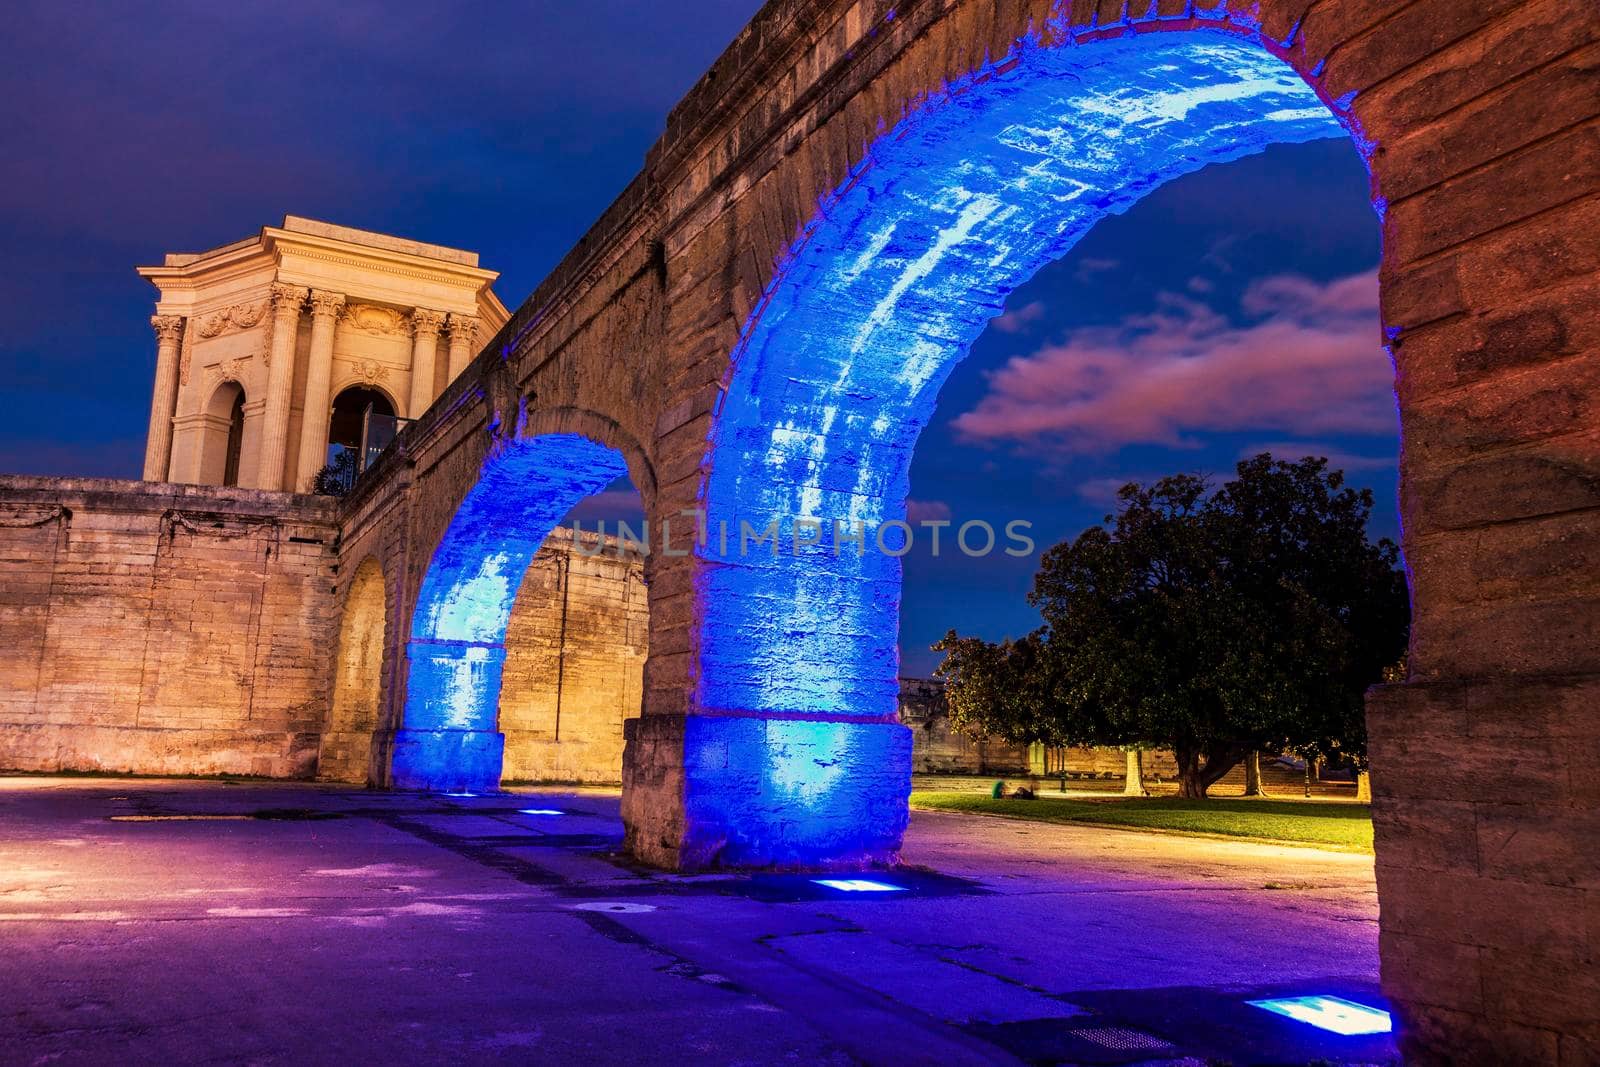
1213,623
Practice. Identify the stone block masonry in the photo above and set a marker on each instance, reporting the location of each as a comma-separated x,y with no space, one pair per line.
574,670
155,628
163,629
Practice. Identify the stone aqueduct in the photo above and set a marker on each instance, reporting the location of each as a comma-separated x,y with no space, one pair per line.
759,325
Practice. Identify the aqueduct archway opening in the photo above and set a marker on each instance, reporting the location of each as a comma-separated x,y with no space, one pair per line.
478,671
354,711
838,371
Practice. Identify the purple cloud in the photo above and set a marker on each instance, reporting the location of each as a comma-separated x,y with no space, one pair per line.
1311,363
1018,320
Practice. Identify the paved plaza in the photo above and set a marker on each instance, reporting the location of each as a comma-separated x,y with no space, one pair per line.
214,922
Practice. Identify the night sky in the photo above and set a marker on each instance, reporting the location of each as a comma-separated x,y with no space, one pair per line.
1230,312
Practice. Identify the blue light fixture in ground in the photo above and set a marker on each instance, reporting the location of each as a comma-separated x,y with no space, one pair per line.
539,811
859,885
1334,1014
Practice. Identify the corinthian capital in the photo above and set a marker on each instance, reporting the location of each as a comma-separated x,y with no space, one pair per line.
464,328
168,328
325,303
424,321
288,297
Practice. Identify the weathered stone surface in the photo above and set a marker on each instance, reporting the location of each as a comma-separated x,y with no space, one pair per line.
1560,476
1447,972
359,680
1524,636
1431,1034
193,628
1514,187
574,668
162,629
1486,870
1433,835
339,308
729,791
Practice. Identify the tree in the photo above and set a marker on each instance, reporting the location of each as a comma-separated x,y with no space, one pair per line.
1252,774
1213,624
337,478
1000,690
1350,598
1133,773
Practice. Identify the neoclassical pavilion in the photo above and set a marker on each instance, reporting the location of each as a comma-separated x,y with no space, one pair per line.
267,346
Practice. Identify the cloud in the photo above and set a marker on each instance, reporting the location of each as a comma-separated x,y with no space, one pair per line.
1016,321
1089,267
926,510
1354,297
1338,458
1103,491
1310,363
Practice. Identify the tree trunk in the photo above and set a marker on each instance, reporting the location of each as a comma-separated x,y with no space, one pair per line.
1195,777
1363,786
1252,775
1133,776
1192,784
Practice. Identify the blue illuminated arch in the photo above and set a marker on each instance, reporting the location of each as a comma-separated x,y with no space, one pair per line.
448,741
839,367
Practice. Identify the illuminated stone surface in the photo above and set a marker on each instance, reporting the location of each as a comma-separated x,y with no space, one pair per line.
346,742
891,283
347,324
449,739
838,372
153,628
794,793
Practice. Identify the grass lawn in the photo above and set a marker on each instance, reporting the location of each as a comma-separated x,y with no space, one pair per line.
1332,824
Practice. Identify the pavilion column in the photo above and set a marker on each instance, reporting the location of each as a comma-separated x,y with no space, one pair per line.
286,303
158,445
463,346
325,308
425,327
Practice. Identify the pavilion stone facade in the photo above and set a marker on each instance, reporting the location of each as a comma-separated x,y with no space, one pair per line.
287,320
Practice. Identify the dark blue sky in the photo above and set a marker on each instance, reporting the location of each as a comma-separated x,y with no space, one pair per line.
1230,311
